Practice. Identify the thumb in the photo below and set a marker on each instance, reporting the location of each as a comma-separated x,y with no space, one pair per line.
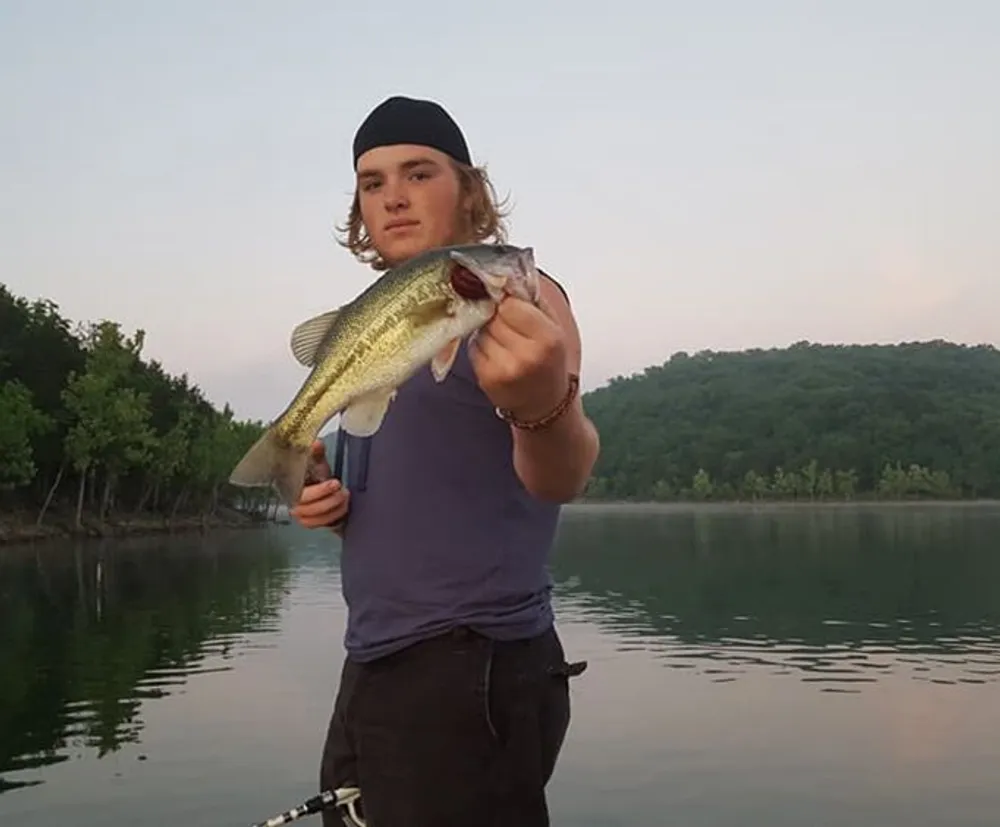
320,468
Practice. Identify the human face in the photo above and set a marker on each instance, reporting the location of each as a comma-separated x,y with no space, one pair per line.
410,200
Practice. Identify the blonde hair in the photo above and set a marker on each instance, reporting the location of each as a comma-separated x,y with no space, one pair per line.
484,220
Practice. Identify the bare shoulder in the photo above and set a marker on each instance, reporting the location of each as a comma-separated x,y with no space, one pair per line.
556,304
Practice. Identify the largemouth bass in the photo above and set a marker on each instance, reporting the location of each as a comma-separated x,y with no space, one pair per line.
415,314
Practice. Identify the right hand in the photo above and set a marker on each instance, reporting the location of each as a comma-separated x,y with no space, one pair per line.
325,502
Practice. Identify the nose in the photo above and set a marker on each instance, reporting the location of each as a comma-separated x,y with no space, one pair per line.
395,196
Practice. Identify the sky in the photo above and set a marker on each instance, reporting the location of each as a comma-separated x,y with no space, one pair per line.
721,175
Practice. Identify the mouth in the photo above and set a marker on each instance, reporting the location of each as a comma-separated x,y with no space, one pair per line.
401,224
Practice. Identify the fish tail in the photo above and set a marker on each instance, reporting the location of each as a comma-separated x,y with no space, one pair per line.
273,460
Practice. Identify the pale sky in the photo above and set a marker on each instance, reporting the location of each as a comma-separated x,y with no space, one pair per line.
720,175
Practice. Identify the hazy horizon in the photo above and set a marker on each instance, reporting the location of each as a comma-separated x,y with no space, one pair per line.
745,177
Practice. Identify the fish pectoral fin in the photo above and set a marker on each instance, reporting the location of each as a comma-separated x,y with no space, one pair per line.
444,360
307,336
363,417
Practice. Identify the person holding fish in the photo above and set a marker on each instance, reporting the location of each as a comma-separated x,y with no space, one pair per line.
456,376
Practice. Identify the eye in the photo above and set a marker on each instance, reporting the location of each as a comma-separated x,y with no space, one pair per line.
420,175
369,185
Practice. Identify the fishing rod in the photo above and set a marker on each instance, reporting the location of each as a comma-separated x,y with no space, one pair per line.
344,797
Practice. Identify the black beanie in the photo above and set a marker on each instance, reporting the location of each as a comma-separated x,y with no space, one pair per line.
402,120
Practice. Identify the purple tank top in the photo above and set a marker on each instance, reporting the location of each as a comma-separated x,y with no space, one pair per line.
441,531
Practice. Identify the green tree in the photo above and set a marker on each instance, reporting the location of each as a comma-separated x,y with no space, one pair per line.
755,485
80,402
814,421
701,485
846,483
20,423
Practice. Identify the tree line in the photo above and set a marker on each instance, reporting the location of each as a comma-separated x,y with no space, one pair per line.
807,422
92,429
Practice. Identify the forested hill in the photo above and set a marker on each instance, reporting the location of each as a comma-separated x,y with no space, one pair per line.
91,428
805,422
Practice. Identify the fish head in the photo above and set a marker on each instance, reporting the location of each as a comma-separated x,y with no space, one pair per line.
489,272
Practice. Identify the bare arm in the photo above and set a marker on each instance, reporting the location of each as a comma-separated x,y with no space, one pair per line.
554,463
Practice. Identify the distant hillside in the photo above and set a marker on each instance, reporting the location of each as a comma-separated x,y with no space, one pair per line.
805,422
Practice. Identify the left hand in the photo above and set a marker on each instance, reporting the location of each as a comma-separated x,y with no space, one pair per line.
520,359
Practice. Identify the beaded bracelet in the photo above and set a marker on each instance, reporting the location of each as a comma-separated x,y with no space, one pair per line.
549,418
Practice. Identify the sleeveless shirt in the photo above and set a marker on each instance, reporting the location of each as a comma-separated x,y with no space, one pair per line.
441,531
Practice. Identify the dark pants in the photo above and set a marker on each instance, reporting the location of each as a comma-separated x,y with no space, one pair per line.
457,731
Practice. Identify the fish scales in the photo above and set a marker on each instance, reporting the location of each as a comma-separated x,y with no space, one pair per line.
413,315
378,332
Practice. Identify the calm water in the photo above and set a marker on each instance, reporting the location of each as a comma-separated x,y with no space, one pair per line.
774,667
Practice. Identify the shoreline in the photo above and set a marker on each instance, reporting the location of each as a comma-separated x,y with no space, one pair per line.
20,529
762,503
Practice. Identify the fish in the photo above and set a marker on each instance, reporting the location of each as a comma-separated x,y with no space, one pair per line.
415,314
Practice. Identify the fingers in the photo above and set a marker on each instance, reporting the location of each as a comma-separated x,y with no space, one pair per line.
328,519
488,349
512,323
522,317
322,504
324,501
311,494
333,511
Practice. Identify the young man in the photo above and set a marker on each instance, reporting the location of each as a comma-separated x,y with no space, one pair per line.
454,699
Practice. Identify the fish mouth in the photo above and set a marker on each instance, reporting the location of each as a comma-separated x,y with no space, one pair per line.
530,278
521,280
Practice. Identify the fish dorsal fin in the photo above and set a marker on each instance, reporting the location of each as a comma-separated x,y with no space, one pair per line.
307,336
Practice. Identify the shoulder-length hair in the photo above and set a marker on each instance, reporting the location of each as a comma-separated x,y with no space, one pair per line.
485,218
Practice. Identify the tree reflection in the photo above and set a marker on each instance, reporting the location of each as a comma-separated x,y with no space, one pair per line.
91,631
827,576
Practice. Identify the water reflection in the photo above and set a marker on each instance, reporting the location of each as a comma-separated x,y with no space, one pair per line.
753,611
91,631
836,597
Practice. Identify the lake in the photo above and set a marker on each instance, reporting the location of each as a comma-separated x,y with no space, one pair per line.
748,666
